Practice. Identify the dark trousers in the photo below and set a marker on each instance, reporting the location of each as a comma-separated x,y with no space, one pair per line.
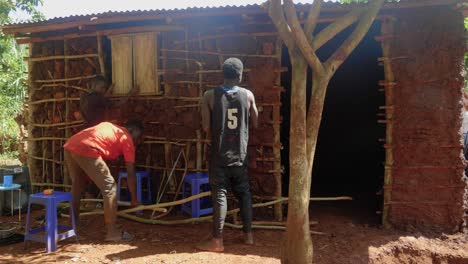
220,179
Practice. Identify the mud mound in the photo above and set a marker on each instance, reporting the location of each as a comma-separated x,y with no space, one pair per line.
422,250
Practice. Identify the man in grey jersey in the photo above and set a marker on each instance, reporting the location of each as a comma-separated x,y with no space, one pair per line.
225,114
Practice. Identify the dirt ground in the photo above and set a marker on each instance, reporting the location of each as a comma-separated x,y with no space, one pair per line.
351,238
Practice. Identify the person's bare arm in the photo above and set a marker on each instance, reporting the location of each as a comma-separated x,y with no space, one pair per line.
132,182
206,110
253,110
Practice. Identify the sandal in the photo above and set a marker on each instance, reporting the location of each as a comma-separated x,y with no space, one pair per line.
125,237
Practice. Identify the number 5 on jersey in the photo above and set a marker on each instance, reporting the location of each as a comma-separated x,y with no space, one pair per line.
232,119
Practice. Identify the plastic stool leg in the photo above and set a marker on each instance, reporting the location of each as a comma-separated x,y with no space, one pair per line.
26,232
196,202
51,226
72,214
148,193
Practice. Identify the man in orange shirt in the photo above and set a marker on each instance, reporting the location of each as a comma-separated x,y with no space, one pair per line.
85,153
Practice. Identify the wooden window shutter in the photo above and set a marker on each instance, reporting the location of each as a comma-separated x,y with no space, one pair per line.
122,64
146,63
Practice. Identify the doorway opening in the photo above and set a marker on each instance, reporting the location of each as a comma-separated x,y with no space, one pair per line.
349,159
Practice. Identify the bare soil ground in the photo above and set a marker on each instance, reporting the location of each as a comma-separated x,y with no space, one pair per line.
351,238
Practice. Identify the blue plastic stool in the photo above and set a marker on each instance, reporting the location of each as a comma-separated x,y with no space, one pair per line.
51,228
140,176
198,182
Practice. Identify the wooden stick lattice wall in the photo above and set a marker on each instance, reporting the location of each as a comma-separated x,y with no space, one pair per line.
189,63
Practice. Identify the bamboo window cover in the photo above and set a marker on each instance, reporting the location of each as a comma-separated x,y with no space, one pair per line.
135,63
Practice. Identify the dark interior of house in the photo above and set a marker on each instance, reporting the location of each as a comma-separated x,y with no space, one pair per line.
349,157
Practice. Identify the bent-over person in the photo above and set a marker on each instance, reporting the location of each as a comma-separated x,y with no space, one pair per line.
85,154
225,114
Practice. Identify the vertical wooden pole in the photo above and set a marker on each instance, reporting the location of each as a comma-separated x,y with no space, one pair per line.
277,138
32,164
44,152
199,151
188,148
167,87
102,65
53,164
387,29
66,177
219,50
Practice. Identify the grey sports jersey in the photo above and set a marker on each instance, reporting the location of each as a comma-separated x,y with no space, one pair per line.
229,127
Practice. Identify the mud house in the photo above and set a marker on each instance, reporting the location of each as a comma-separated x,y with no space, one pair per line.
392,119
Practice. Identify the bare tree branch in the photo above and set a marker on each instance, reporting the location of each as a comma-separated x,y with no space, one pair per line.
333,29
275,11
312,18
301,39
340,55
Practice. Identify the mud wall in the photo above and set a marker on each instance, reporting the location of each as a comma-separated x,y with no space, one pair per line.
428,181
189,64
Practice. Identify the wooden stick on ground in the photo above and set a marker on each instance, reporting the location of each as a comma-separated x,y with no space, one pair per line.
270,228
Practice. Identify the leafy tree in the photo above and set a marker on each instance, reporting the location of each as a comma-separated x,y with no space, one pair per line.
13,70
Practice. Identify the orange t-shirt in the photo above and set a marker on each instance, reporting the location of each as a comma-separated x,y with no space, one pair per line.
105,140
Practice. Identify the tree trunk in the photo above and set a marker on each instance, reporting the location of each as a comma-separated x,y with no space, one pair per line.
314,116
297,247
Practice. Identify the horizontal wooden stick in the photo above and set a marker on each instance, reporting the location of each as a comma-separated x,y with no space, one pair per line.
163,142
66,79
71,126
187,106
385,59
271,228
53,100
166,123
239,34
60,57
275,223
338,198
41,158
134,29
57,124
168,204
149,98
120,203
140,29
46,138
61,85
220,53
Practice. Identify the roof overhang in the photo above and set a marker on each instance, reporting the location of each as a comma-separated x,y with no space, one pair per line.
81,22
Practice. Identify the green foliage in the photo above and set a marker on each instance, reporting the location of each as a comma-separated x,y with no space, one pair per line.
12,71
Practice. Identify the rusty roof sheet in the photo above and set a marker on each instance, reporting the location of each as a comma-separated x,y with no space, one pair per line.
328,5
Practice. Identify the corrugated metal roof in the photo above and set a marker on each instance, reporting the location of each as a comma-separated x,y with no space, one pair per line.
328,5
133,12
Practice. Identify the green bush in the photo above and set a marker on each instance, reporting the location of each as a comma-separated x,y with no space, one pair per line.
12,75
